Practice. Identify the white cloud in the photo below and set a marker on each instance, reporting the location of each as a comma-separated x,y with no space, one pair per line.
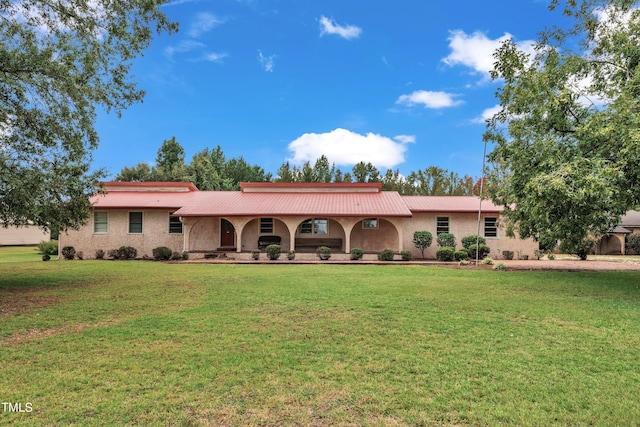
329,26
215,57
185,46
429,99
405,139
203,23
267,62
476,50
344,147
487,114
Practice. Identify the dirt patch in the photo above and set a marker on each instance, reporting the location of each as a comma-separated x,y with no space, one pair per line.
31,334
21,300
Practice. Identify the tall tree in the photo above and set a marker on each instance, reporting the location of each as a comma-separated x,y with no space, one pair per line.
59,61
567,145
365,172
170,164
139,173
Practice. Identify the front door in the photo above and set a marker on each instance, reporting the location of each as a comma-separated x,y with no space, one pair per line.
227,234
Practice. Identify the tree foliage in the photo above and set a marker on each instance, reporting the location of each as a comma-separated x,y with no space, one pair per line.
567,140
59,61
422,240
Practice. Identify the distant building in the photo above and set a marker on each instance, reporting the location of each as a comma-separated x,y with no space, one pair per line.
18,236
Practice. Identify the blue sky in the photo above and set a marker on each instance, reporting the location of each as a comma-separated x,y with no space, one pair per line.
403,84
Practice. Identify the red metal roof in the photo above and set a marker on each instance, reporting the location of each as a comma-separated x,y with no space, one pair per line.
221,203
335,202
449,204
140,200
149,186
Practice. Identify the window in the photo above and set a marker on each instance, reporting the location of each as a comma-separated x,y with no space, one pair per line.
491,227
100,222
266,225
370,223
135,222
175,225
442,224
314,226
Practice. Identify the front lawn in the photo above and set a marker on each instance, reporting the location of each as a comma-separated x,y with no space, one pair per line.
145,343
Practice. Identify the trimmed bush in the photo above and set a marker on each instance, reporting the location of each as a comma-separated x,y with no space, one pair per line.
422,240
291,255
445,254
473,239
446,240
461,255
255,254
323,252
48,248
386,255
175,256
185,255
406,255
162,253
487,261
507,254
633,243
113,253
100,254
126,252
46,257
482,252
357,253
273,252
68,252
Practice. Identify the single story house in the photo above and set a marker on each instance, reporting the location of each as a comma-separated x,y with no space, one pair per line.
300,216
614,242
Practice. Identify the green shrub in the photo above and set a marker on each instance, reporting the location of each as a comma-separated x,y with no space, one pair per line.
464,262
162,253
406,255
446,240
581,248
422,240
507,254
126,252
551,257
482,252
323,252
386,255
48,248
113,253
175,256
461,254
487,261
255,254
68,252
291,255
445,254
46,257
499,266
472,239
633,243
99,254
273,252
185,255
357,253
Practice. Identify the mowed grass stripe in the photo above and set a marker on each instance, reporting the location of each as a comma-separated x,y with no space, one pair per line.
169,344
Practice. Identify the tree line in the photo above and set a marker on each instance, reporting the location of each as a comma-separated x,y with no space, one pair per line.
210,170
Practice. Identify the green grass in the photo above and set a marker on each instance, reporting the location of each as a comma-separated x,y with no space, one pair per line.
143,343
